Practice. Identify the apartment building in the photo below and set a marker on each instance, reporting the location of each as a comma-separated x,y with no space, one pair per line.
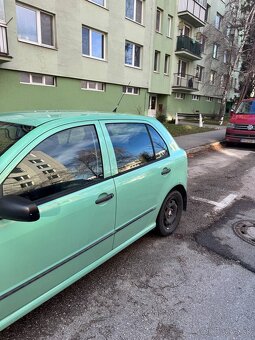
139,56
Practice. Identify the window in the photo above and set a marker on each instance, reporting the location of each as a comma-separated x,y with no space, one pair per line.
202,39
2,12
73,161
131,90
209,99
207,13
133,147
37,79
226,57
199,73
195,97
98,2
134,10
93,43
212,77
180,96
218,20
166,64
159,20
159,145
169,26
215,50
92,85
156,61
132,54
34,26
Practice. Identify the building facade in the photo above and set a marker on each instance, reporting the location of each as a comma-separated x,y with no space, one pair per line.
140,56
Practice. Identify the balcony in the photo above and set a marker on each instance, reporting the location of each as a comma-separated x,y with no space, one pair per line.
185,83
4,52
188,48
193,11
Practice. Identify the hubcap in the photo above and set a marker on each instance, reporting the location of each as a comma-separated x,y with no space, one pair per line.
170,213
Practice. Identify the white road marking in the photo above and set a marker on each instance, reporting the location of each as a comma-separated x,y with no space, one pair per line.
217,205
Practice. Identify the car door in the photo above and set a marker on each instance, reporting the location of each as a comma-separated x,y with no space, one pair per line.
142,174
65,172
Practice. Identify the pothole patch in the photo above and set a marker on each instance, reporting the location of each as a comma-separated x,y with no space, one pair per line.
245,230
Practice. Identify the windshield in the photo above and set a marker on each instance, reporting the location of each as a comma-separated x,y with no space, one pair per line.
10,133
246,108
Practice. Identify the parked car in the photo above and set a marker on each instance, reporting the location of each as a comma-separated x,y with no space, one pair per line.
241,126
75,190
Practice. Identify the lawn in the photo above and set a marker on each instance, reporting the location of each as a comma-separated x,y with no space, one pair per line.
180,130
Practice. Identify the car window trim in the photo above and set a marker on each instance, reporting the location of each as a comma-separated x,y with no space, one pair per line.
67,191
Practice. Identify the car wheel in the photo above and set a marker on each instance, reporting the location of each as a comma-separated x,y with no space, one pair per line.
170,214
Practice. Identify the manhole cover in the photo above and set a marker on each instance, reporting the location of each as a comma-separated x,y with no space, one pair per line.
245,230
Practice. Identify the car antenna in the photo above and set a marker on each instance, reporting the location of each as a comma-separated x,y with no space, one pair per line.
123,94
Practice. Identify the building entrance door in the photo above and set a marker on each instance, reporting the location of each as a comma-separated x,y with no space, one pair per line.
152,105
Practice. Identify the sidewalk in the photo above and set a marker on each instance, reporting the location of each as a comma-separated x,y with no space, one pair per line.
201,141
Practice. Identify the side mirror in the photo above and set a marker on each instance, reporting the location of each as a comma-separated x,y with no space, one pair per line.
17,208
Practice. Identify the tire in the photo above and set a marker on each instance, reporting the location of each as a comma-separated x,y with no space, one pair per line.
170,214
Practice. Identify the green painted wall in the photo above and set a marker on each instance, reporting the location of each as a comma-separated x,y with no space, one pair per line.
190,106
67,95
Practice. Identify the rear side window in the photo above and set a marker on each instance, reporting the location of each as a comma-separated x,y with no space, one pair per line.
132,143
68,160
160,148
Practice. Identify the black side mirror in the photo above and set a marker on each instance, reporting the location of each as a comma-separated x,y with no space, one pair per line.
17,208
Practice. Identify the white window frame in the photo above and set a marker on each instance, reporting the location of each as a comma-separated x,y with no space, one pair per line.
85,85
159,23
195,97
167,64
212,77
38,27
199,73
156,66
134,13
218,21
215,51
135,91
169,26
90,43
179,96
209,99
94,2
43,83
133,55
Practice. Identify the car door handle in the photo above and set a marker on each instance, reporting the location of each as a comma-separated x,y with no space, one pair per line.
104,198
165,171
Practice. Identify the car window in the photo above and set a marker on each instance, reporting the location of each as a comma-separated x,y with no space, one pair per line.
132,145
68,160
160,148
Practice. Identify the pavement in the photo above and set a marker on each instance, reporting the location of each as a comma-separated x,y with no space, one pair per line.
201,141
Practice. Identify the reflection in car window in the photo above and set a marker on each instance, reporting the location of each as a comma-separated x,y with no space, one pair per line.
70,159
159,145
132,145
10,133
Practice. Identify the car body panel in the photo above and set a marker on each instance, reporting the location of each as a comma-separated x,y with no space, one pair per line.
241,127
74,235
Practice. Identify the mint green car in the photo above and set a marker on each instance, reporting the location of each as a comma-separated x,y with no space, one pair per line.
77,188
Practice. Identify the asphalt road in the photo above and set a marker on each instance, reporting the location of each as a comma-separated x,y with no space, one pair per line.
196,284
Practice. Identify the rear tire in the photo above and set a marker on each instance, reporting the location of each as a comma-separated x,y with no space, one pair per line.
170,214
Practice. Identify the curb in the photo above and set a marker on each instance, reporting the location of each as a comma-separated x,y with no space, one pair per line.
212,146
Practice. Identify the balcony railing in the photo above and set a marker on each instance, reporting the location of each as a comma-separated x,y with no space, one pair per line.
185,82
193,11
3,40
186,45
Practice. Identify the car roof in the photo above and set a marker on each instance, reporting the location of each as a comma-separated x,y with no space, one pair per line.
37,118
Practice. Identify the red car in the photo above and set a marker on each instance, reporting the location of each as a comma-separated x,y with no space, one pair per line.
241,126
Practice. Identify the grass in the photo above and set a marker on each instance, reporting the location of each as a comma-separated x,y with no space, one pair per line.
180,130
